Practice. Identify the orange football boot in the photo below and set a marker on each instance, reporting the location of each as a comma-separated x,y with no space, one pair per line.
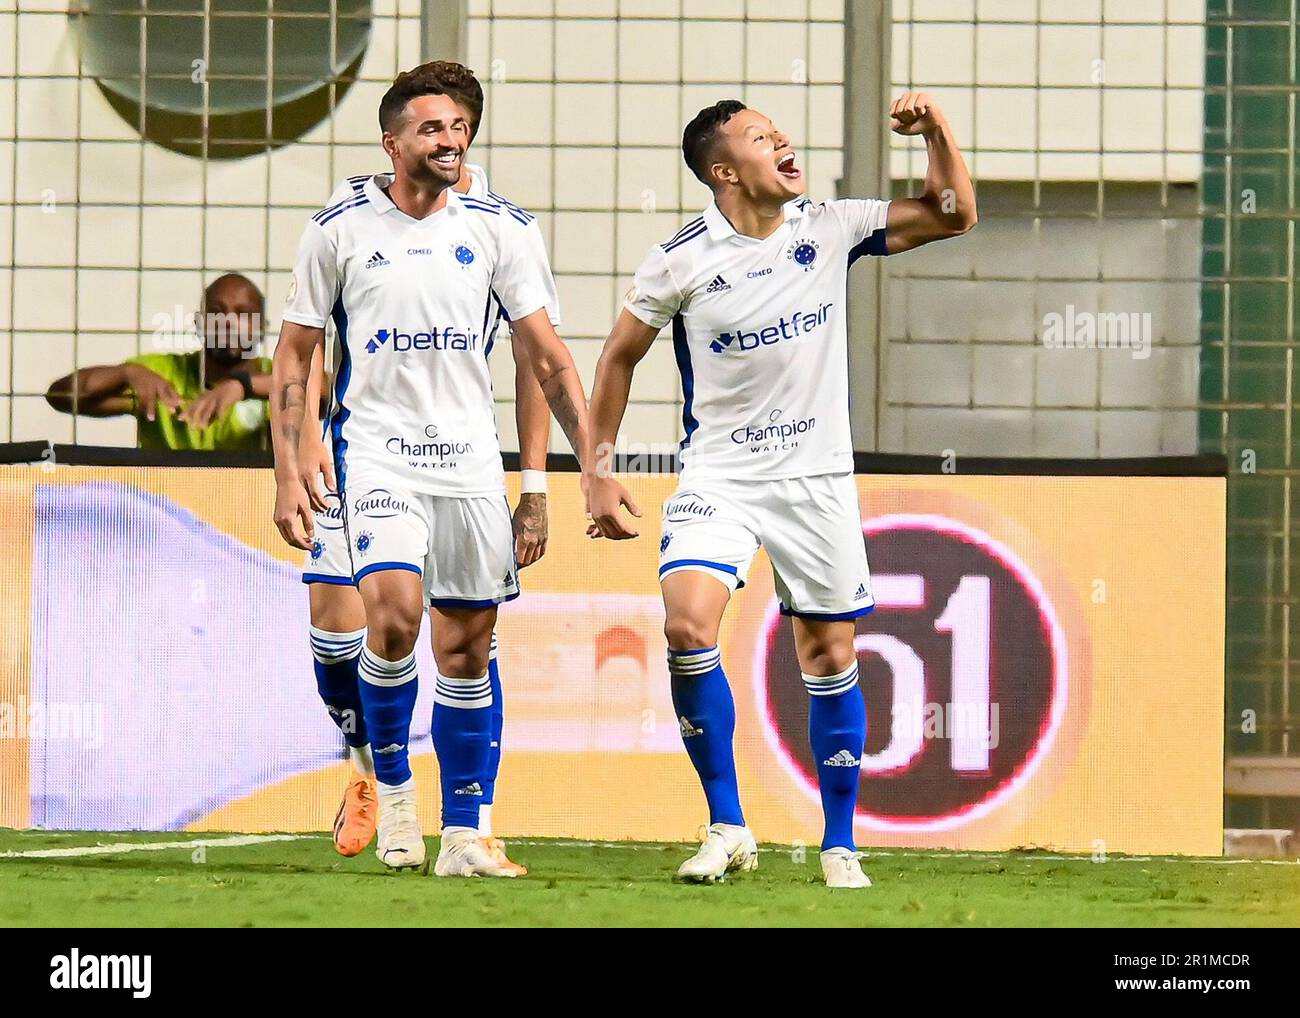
497,849
354,826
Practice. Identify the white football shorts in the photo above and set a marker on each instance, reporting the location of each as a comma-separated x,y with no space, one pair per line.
462,548
810,526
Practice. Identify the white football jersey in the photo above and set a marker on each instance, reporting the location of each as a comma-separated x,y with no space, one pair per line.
416,304
478,188
759,333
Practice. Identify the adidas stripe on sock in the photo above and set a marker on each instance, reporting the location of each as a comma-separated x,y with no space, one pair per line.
706,716
837,732
462,735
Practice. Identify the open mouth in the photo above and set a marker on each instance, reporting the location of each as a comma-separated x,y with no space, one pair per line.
786,167
447,159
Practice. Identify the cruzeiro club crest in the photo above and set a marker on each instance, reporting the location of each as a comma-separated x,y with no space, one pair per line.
463,253
804,254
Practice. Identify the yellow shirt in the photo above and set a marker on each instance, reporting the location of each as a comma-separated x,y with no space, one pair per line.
241,428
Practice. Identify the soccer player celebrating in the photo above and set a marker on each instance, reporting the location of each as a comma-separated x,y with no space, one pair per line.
337,613
755,289
410,270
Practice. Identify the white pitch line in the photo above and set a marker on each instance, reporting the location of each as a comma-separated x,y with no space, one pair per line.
873,854
154,846
236,841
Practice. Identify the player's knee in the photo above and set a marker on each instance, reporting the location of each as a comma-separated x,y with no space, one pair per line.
394,631
686,633
827,658
463,661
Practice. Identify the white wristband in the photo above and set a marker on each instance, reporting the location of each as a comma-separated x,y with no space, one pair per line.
532,482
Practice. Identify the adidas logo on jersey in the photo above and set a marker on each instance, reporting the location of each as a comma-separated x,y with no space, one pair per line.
688,729
376,260
471,789
718,285
862,592
395,747
842,759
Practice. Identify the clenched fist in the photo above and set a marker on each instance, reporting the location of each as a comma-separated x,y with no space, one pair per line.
914,113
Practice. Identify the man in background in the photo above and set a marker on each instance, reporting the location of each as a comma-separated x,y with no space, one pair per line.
214,398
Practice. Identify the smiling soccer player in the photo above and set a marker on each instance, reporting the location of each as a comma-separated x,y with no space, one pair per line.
412,272
337,612
755,289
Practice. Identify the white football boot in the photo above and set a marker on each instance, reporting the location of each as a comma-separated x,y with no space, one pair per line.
465,854
401,845
726,849
841,868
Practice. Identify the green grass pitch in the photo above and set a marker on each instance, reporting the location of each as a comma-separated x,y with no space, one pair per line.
302,882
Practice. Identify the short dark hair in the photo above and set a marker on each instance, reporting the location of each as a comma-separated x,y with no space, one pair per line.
231,279
438,77
702,132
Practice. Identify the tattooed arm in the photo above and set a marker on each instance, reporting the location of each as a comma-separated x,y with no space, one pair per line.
315,461
290,372
533,423
558,376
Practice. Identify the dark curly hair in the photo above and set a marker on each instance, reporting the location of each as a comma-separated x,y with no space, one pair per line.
438,77
702,132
